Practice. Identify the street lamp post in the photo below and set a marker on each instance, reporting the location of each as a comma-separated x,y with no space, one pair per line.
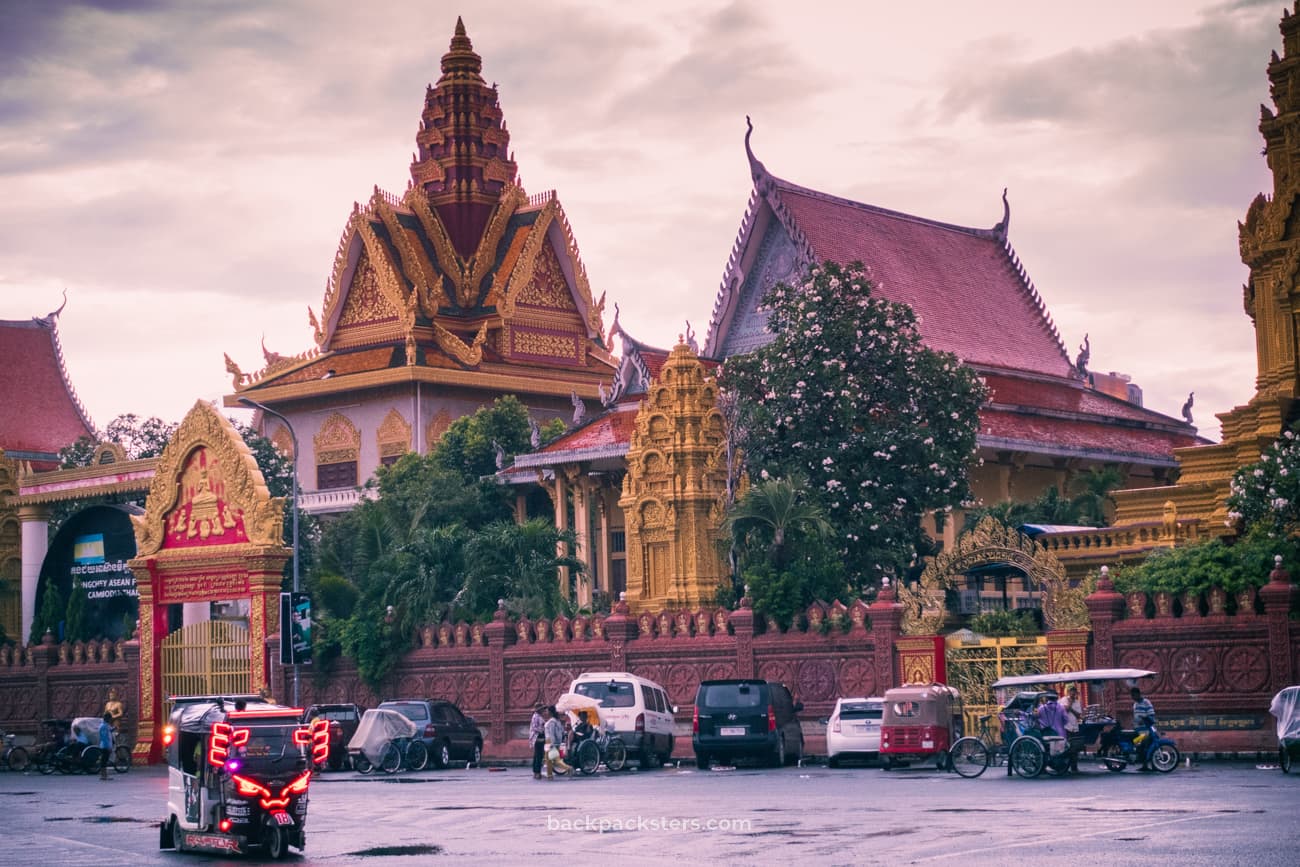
293,466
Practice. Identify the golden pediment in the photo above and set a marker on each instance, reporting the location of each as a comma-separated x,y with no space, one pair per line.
227,472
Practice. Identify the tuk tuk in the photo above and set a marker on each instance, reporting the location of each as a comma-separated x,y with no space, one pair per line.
1285,708
919,723
238,770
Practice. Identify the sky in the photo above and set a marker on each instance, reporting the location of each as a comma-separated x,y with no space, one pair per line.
185,170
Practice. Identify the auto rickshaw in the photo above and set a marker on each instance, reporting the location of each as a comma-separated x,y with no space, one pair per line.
238,773
1285,707
920,723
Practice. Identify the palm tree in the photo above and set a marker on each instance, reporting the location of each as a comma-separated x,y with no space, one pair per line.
776,513
1093,493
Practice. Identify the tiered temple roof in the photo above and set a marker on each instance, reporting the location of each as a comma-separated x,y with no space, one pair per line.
42,413
973,298
463,280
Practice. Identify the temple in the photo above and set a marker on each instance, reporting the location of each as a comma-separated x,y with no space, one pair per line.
1270,247
1047,418
462,289
42,415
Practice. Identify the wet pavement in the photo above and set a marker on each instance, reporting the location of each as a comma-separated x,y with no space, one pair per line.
1212,814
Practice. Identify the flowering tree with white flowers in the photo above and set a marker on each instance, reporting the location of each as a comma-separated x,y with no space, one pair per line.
848,397
1266,494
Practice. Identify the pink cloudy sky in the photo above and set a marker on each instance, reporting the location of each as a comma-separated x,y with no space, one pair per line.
185,170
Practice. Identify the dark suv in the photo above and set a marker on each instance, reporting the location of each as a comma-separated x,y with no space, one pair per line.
447,732
343,719
746,719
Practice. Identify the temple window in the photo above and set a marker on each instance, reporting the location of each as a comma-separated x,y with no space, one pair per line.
338,447
394,438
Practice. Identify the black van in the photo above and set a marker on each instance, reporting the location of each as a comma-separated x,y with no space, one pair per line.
746,719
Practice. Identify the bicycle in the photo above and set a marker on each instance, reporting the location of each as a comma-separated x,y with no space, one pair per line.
973,755
14,758
410,753
121,757
600,748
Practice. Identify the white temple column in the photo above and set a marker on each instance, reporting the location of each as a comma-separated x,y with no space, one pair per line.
605,502
35,521
562,523
582,526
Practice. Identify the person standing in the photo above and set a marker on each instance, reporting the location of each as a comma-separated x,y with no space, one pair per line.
537,739
105,743
1144,720
554,737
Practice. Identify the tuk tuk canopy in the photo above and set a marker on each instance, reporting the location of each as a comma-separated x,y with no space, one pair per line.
1087,675
915,704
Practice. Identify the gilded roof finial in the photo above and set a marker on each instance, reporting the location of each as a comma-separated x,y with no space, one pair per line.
460,56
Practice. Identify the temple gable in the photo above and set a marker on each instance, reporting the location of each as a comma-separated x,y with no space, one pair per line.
777,261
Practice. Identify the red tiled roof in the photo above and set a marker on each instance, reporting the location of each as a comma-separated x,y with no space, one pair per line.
612,428
41,412
1071,397
962,283
1081,436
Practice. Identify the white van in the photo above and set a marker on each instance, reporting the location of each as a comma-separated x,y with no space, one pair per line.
638,709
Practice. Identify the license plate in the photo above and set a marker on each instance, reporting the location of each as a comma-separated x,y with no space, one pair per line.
731,731
282,818
927,745
865,728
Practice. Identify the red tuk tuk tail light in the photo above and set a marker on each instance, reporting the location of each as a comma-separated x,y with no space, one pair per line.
771,718
299,785
225,825
320,741
168,735
248,787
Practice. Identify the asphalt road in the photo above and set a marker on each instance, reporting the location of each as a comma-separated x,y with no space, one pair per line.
1211,814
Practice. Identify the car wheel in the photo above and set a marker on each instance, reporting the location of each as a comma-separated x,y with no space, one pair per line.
476,755
702,761
442,755
778,754
832,761
649,759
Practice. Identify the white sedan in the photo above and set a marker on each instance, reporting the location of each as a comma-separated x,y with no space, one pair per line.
853,730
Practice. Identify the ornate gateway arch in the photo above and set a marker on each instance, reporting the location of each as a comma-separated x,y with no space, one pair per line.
992,543
211,532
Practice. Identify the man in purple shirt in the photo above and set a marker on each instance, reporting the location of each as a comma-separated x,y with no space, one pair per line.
1051,716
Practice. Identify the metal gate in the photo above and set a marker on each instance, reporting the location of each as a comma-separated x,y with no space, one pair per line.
208,658
975,663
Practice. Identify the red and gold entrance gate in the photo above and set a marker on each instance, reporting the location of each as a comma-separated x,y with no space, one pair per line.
211,532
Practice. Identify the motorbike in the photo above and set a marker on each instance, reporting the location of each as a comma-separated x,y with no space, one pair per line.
1145,746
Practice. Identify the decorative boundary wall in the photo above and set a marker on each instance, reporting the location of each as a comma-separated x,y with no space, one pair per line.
1218,667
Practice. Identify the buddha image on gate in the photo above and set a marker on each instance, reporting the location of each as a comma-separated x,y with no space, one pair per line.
203,513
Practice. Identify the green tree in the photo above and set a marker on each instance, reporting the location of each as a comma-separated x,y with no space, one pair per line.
469,446
51,613
785,548
1093,491
847,396
1266,494
75,613
517,563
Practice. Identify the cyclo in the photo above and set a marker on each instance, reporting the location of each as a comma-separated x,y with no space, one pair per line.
919,723
387,740
601,747
238,775
1035,750
1285,708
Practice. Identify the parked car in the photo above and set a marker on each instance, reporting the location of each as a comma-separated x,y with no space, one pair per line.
746,719
343,719
638,710
853,730
447,732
